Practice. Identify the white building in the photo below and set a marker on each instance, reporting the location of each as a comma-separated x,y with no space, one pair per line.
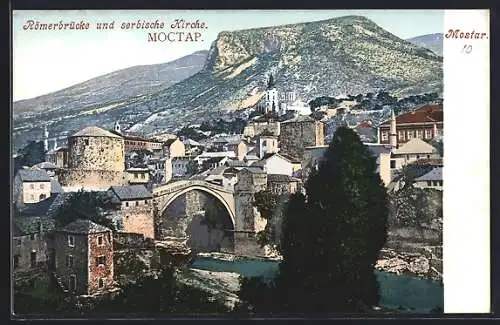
275,163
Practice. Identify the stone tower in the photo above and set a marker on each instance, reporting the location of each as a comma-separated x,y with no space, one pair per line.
393,137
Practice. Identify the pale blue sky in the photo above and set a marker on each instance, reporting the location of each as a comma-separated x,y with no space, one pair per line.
46,61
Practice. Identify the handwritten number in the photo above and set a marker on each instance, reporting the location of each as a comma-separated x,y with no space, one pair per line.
467,49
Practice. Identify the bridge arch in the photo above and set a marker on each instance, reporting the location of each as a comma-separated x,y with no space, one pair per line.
195,187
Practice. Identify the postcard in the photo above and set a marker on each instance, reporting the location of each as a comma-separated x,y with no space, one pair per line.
250,162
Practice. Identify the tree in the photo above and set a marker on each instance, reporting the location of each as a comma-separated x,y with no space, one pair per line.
192,167
270,207
32,154
94,206
332,236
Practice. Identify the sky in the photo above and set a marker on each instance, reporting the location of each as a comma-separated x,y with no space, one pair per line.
49,60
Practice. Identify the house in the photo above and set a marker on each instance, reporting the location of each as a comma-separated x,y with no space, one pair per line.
214,162
425,122
275,163
411,151
31,186
84,257
48,167
137,175
134,209
174,148
266,143
239,146
432,179
218,154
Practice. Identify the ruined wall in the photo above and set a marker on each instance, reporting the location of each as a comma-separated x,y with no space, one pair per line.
96,153
138,218
102,179
80,260
100,271
245,214
24,246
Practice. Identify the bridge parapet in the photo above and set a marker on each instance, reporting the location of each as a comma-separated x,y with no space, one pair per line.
167,189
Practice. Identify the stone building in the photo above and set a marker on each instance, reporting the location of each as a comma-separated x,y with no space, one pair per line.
299,133
31,186
96,159
136,175
256,127
266,143
134,209
29,248
84,257
424,123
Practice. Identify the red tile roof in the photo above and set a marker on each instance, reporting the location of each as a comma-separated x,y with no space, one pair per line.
426,113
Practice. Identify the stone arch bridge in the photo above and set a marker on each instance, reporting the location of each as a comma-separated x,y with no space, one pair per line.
164,195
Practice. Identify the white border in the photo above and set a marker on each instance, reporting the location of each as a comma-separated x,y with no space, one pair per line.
466,198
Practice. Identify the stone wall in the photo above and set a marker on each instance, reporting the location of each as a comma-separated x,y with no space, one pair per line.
80,266
96,153
194,202
245,244
102,179
295,136
96,271
138,219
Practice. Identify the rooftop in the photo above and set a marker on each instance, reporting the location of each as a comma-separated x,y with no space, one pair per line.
81,226
131,192
94,131
46,165
434,175
33,175
414,146
426,113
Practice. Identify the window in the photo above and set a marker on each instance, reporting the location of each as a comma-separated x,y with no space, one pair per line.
419,134
16,261
32,197
435,183
440,183
71,241
428,133
100,260
86,142
418,156
428,156
146,201
136,203
33,259
100,240
43,197
32,186
384,135
401,135
41,186
136,176
72,282
69,261
264,143
429,183
143,176
410,134
393,163
32,236
126,204
101,283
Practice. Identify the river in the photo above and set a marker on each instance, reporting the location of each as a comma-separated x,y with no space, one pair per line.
398,292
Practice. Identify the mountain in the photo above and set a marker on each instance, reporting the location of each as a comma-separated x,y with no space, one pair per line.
433,42
345,55
114,86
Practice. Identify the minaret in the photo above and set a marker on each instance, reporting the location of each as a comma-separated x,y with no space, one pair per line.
46,140
55,143
393,137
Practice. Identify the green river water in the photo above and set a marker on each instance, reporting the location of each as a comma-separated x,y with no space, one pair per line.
405,293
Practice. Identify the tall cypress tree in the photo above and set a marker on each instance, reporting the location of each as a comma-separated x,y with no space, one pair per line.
332,236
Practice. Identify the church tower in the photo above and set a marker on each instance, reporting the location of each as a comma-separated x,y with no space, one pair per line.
393,137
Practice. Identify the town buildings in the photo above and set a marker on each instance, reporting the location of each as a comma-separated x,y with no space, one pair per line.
299,133
425,123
